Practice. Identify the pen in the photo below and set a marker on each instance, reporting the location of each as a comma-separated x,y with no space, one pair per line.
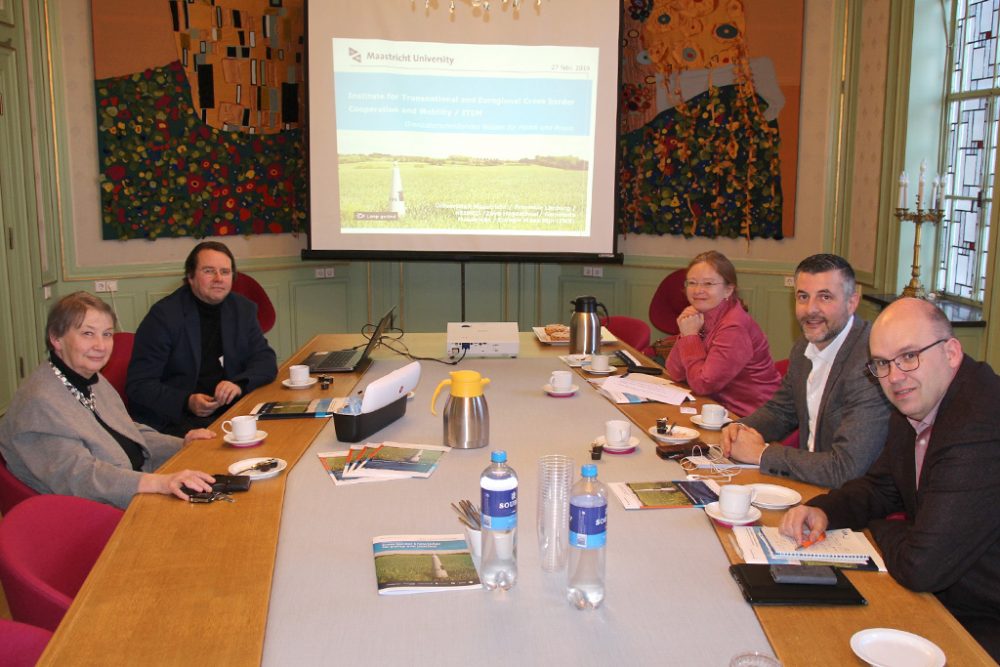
808,542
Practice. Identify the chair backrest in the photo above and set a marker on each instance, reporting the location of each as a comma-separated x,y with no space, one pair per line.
668,301
48,544
12,490
22,644
251,289
633,331
116,370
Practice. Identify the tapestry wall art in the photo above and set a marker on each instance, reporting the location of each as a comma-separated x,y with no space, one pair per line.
709,109
199,117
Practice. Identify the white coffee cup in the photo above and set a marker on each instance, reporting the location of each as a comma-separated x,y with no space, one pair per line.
617,433
713,414
561,380
298,374
243,427
599,362
734,500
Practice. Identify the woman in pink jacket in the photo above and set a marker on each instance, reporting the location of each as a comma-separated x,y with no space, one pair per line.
721,352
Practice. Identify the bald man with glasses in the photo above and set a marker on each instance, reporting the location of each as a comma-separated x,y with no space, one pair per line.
940,466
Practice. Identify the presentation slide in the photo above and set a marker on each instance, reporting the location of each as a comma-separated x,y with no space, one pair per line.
456,147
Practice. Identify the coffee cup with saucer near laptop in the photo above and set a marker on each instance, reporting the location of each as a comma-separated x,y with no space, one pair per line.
298,377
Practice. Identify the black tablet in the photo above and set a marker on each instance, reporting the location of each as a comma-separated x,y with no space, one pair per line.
760,588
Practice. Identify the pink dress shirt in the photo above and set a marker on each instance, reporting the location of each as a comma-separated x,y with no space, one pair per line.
729,360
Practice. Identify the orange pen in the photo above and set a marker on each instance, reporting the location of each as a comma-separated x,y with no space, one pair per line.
810,541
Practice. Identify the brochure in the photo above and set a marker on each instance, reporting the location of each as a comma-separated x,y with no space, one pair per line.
423,564
663,495
318,408
382,461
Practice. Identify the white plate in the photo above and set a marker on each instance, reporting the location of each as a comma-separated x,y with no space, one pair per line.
560,393
678,436
256,474
575,360
885,647
587,368
712,510
633,442
288,383
696,419
252,442
606,337
774,496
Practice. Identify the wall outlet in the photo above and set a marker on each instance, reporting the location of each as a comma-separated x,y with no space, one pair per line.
330,272
112,285
100,286
47,292
320,272
789,281
593,271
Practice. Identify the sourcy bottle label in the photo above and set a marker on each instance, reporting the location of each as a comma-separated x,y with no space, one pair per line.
499,509
588,526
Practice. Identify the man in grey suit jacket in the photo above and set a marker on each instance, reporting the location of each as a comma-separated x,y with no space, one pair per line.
839,410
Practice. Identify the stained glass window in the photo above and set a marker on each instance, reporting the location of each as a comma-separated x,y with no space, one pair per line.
973,116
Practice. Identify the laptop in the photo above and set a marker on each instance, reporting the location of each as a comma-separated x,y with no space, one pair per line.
348,361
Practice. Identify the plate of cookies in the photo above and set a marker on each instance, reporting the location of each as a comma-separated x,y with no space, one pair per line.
558,334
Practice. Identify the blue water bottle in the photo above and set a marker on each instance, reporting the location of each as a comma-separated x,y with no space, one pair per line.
588,536
498,486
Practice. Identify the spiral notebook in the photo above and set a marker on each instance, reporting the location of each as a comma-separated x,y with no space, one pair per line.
842,545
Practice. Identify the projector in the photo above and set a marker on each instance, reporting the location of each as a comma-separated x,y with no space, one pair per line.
482,339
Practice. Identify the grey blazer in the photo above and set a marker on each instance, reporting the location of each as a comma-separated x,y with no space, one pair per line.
852,423
54,444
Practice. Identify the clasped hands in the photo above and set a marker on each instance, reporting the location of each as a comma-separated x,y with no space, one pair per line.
742,443
690,322
204,405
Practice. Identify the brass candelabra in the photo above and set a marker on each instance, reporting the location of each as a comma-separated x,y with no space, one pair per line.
918,218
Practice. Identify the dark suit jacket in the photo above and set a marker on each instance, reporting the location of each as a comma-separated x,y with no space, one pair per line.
167,356
852,422
950,543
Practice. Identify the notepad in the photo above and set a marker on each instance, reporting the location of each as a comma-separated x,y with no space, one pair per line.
843,545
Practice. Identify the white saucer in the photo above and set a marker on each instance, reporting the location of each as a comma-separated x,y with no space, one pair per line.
633,442
774,496
257,474
588,369
696,419
560,393
288,383
712,510
258,438
885,647
678,436
575,360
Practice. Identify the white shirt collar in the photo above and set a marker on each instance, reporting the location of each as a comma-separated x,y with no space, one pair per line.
829,353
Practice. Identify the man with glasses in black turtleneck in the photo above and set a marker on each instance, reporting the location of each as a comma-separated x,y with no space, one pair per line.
199,349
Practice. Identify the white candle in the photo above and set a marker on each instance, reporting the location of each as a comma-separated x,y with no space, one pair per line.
934,193
920,183
903,182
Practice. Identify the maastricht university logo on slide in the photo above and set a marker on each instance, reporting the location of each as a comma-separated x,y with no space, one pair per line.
355,55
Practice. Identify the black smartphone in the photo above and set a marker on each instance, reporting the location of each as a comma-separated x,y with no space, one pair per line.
822,575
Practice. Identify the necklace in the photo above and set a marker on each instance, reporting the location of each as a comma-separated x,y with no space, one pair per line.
87,401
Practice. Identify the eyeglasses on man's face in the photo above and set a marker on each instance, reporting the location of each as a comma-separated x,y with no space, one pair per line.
211,272
906,362
707,284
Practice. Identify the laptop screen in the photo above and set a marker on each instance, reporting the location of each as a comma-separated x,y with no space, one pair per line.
380,328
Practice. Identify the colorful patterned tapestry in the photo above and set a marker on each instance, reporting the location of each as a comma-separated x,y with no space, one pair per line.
209,143
700,147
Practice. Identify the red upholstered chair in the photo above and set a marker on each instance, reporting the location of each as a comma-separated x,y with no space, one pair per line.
251,289
21,644
667,303
48,544
12,490
633,331
793,439
116,370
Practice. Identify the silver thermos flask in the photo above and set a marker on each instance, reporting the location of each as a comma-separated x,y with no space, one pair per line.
466,416
585,326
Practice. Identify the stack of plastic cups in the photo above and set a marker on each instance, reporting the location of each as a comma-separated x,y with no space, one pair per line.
555,478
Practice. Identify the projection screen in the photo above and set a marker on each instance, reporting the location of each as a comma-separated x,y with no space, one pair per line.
467,134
